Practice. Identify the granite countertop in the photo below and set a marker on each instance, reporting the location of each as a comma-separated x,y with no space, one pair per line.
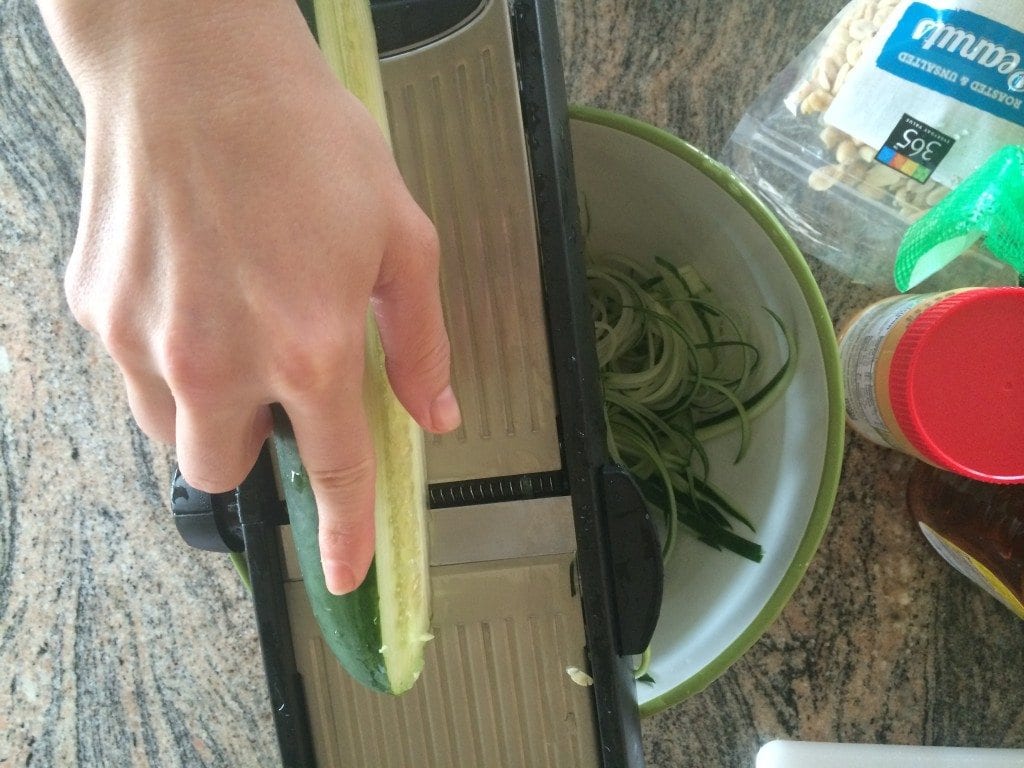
120,646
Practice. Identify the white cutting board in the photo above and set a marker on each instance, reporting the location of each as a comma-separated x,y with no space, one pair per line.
810,754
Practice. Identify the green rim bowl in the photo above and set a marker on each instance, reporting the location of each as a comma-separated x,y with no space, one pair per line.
645,192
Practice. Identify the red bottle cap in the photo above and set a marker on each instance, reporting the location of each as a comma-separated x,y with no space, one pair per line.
957,384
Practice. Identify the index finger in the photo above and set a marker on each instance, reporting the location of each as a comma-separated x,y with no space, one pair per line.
334,440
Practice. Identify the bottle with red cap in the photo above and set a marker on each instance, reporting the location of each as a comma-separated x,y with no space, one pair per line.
941,377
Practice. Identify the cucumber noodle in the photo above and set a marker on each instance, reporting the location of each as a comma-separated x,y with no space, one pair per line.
677,369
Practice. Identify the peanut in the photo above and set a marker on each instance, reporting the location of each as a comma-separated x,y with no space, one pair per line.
883,176
818,101
840,77
824,178
862,29
830,136
846,152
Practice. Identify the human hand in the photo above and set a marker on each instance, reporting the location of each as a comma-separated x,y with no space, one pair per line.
240,212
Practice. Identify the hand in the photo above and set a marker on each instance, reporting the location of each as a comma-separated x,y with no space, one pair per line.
240,212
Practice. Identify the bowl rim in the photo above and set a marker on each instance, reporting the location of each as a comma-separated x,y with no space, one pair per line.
834,440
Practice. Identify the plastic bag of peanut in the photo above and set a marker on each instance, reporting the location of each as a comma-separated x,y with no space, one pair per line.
888,108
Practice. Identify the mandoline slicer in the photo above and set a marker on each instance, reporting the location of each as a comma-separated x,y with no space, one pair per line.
542,556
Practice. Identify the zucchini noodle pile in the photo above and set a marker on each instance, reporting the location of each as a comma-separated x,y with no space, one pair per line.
677,370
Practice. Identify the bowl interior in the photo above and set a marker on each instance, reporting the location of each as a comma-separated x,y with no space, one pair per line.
646,193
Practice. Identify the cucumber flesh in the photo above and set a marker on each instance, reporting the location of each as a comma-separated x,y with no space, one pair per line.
400,560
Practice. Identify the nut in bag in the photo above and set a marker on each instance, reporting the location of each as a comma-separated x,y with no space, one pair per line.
888,109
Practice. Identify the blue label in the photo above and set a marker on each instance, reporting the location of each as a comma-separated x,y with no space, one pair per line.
961,54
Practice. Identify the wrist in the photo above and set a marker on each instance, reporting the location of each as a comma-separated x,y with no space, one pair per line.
101,42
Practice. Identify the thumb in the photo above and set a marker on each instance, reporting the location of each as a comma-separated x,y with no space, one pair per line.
407,305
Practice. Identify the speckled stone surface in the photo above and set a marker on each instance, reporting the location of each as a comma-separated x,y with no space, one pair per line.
119,646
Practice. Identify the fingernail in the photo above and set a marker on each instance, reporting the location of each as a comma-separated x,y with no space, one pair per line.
444,412
339,576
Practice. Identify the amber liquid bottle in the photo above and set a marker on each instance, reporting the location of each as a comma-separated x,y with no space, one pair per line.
977,527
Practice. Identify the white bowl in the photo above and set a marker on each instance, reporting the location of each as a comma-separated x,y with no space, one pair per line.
647,193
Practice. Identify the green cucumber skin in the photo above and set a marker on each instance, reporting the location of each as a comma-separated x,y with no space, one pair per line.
350,623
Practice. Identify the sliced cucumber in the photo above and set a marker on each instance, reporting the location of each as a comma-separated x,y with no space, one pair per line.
377,632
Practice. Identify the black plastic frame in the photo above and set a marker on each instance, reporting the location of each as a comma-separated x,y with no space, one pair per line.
574,359
262,512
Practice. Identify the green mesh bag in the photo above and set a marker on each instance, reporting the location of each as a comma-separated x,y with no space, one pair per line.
988,204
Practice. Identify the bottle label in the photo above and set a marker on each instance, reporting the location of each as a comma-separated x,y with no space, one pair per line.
861,348
973,570
956,69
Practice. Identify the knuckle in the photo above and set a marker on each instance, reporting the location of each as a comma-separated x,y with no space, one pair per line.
77,302
430,360
194,368
121,339
76,291
344,524
117,328
426,235
181,365
314,367
337,536
416,231
424,242
84,271
342,480
302,371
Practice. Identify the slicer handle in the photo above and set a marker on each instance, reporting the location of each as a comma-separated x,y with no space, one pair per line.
214,521
637,568
206,521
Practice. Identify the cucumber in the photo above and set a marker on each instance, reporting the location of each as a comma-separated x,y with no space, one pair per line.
378,631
